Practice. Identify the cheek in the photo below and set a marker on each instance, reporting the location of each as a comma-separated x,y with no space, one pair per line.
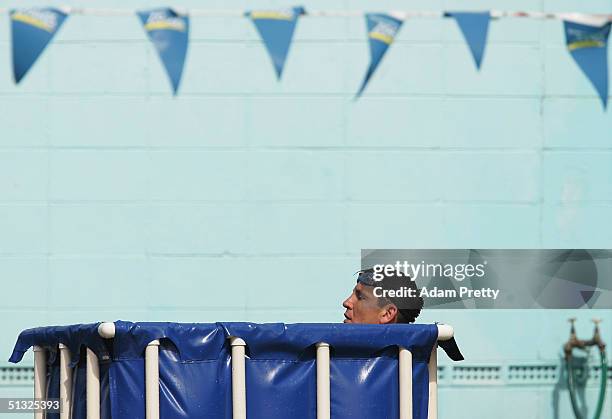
363,312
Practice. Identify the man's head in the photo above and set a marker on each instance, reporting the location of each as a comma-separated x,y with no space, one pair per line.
363,306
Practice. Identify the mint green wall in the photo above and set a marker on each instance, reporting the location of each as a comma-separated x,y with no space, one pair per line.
248,199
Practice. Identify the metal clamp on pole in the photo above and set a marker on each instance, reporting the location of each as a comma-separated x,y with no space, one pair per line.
238,378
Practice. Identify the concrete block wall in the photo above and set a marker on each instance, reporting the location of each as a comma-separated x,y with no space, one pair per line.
248,199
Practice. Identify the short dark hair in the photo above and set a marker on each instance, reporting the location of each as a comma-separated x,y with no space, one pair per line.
409,308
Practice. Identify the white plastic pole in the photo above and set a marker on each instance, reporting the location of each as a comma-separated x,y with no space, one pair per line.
65,387
93,385
433,384
445,332
107,331
152,380
323,392
40,377
405,383
238,378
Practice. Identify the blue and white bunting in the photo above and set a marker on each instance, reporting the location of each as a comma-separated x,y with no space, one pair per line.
474,27
169,33
32,30
382,29
587,42
276,30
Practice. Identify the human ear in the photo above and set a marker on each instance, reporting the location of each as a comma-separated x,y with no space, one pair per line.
388,314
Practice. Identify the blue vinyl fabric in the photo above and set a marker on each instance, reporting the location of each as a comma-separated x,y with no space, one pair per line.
77,338
79,393
53,382
195,368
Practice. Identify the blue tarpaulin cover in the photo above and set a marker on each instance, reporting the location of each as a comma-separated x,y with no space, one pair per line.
195,367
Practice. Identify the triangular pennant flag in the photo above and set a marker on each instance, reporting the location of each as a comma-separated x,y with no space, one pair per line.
276,30
382,29
32,30
474,26
588,45
169,33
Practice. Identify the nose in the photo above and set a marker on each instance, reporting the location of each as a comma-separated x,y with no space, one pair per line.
348,304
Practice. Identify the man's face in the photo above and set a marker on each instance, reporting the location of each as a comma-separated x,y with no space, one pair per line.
362,306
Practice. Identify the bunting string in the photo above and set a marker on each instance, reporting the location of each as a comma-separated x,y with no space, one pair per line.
110,12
